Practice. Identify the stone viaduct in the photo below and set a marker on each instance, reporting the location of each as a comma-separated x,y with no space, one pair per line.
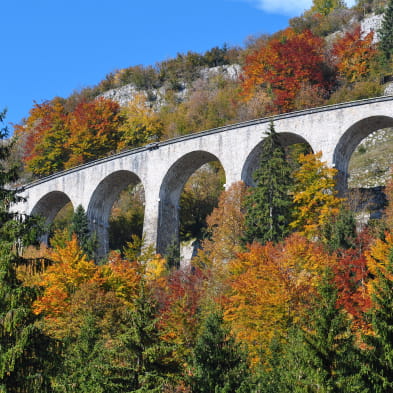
163,168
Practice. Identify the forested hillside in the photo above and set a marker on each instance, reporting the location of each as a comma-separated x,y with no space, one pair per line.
287,292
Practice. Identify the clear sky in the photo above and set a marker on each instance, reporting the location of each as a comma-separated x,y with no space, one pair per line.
52,47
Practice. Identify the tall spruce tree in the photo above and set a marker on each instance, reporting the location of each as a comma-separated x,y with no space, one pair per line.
26,353
386,32
323,358
380,355
151,360
340,232
268,205
80,226
218,364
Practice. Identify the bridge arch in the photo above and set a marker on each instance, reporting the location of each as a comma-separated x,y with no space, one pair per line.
49,206
101,202
170,191
252,161
351,139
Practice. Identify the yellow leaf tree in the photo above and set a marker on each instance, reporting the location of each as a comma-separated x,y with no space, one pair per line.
314,195
141,125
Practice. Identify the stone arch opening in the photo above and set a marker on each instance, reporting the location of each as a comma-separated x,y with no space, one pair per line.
102,201
287,139
350,140
49,207
170,195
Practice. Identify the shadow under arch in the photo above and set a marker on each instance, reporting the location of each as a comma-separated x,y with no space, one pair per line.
350,140
49,206
170,191
252,161
101,202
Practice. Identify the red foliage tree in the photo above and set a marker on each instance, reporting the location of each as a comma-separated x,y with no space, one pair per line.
284,65
93,131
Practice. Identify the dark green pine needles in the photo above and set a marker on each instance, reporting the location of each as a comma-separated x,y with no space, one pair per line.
269,204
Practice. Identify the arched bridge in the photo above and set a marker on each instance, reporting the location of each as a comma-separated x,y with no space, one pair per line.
163,168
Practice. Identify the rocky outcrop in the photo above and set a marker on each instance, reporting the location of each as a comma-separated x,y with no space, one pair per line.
125,94
372,23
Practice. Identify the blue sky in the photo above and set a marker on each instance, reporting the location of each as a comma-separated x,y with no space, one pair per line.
53,47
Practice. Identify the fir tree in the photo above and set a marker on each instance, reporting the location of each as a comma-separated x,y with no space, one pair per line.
380,356
25,352
217,365
386,32
91,366
151,360
268,205
340,232
80,226
323,357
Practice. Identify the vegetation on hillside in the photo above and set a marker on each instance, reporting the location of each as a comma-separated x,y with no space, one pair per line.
285,295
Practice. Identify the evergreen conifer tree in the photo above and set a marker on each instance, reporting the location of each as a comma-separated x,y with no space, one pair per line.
380,356
386,32
323,357
340,232
268,205
218,364
151,361
25,352
80,226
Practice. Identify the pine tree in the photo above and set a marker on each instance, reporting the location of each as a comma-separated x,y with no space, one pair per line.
80,226
91,366
380,356
386,32
25,352
268,205
217,365
151,360
323,357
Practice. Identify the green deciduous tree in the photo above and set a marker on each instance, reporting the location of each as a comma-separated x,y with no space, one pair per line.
268,205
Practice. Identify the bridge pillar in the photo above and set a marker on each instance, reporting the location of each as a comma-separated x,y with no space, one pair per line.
150,223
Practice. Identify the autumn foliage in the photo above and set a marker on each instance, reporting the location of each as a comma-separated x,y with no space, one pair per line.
284,65
354,54
272,287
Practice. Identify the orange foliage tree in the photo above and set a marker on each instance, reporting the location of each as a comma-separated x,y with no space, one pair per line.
271,287
43,137
284,66
354,55
73,286
180,301
93,131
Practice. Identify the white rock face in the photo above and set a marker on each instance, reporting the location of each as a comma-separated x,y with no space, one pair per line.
372,23
388,89
123,95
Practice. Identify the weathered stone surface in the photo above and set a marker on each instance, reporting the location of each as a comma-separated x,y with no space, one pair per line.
372,23
163,168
